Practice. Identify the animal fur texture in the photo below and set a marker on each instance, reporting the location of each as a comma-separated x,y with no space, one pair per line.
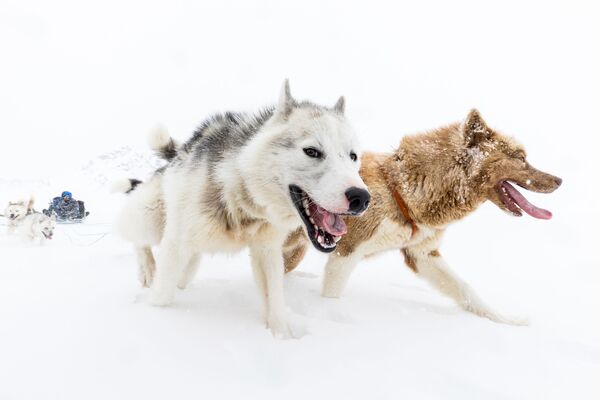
37,227
16,211
441,176
245,181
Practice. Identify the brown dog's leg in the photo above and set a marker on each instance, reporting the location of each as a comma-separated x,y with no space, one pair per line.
429,265
294,249
337,273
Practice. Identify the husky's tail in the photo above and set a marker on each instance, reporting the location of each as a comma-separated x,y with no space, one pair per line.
124,185
162,143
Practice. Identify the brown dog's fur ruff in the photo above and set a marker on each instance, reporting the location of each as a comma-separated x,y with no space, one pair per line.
441,176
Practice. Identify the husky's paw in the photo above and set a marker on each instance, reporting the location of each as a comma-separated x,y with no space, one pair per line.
160,298
145,276
279,328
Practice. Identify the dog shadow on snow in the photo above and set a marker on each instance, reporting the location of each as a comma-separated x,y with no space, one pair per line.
223,300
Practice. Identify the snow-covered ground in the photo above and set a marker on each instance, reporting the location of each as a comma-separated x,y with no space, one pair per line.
81,86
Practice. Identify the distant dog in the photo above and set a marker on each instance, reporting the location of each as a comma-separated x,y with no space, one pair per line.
431,180
246,180
16,212
38,227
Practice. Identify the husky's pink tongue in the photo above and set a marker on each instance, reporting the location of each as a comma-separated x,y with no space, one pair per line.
331,223
525,205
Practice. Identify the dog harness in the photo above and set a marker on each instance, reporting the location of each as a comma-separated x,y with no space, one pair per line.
400,203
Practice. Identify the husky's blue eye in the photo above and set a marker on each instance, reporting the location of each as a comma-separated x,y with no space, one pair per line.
312,152
353,156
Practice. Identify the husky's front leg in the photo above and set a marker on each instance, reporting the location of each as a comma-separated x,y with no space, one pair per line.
429,265
11,228
267,264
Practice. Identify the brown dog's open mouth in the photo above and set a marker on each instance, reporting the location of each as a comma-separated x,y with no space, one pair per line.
515,202
324,228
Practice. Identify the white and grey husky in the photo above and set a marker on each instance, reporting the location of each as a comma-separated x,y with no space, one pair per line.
246,180
38,226
16,211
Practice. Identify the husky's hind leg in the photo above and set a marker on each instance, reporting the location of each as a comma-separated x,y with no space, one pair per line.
189,272
429,265
173,257
146,264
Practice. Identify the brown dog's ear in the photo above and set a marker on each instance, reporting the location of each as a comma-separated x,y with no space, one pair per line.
475,129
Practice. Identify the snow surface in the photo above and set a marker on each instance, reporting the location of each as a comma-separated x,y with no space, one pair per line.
83,83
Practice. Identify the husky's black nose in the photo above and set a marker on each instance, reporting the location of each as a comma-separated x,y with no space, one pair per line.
358,199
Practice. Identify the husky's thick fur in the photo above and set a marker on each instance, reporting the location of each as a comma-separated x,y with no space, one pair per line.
244,180
38,226
439,178
16,212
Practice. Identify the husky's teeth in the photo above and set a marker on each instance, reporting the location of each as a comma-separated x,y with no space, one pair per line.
307,211
312,221
337,238
305,203
320,239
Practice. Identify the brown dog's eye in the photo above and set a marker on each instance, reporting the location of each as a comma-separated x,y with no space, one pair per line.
353,156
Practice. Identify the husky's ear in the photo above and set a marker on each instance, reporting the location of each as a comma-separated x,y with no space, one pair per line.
340,105
475,129
286,101
30,203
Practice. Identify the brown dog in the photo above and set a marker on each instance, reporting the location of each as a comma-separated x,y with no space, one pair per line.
431,180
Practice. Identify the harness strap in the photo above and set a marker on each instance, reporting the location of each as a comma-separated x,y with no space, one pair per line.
400,203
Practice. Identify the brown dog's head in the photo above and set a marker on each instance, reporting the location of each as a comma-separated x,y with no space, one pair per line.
502,161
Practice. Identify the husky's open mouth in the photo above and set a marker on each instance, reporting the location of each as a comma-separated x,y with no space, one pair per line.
515,202
47,235
324,228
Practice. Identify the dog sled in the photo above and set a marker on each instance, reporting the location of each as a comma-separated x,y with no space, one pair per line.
66,209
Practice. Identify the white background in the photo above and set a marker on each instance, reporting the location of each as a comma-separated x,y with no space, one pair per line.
80,80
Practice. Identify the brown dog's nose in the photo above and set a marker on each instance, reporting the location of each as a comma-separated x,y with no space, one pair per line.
558,181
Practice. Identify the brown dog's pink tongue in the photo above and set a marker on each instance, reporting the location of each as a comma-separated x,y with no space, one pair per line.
331,223
525,205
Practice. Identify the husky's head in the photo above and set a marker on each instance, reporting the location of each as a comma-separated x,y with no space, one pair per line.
44,225
16,211
502,161
311,158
